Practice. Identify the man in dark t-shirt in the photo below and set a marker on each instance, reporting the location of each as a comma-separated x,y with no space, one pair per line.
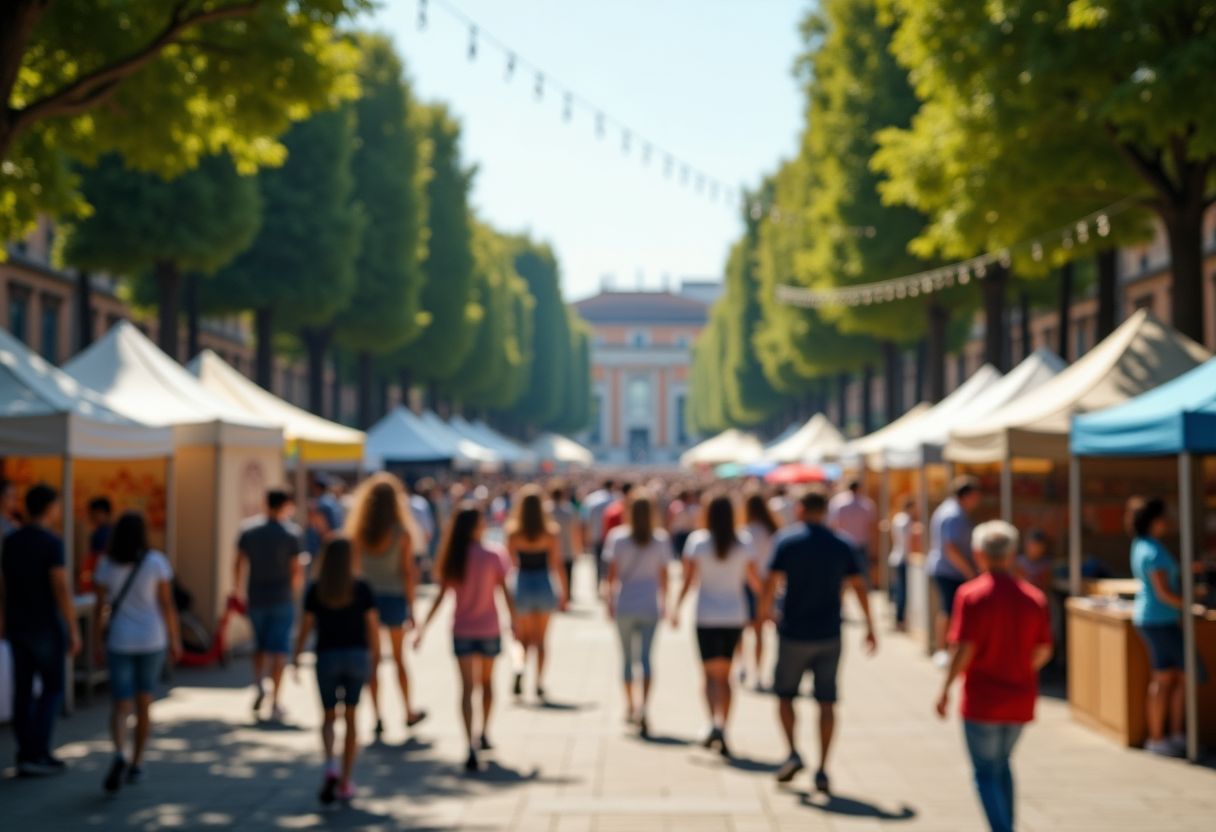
268,551
815,565
40,626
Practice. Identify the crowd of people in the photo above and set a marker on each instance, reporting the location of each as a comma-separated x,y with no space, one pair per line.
754,557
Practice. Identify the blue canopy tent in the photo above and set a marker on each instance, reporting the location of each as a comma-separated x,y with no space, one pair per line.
1176,419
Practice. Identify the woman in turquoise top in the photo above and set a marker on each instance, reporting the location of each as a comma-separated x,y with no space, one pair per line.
1156,615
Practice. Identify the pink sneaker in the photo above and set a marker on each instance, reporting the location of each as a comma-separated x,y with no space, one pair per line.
346,791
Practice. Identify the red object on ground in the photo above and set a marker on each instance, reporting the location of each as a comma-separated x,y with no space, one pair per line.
796,472
216,652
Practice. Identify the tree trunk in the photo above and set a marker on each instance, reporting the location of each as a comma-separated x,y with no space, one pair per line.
995,284
381,397
335,392
316,344
192,317
1065,311
922,354
891,379
1024,322
365,392
169,299
263,372
867,402
405,378
1107,291
432,395
938,319
84,311
842,400
1184,223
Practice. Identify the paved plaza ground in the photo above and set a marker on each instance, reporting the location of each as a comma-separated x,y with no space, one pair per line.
573,766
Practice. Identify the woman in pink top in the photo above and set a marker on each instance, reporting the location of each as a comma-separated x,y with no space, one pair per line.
472,571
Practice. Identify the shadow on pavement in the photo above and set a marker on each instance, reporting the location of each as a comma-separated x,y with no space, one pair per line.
659,739
851,807
550,705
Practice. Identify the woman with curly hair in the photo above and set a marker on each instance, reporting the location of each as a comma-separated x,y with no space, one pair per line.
384,537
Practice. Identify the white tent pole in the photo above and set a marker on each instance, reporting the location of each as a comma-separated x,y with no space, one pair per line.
1186,523
67,503
1007,489
1074,526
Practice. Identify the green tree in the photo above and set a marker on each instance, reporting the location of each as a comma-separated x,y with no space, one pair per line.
197,222
576,392
299,272
446,296
541,403
162,84
1048,109
384,313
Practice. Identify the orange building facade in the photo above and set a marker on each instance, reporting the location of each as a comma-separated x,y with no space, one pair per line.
640,360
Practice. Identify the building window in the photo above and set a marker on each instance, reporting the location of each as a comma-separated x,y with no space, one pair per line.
637,399
594,435
681,427
49,327
639,339
19,311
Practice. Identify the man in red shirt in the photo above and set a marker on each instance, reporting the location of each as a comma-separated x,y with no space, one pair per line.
1000,637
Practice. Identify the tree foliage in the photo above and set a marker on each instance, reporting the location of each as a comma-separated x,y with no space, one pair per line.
542,400
163,85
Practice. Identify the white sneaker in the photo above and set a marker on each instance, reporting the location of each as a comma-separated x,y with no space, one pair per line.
942,659
1162,748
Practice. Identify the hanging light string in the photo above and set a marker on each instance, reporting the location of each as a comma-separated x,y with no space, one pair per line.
943,277
673,166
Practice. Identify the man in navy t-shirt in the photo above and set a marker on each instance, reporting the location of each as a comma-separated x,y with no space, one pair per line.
815,564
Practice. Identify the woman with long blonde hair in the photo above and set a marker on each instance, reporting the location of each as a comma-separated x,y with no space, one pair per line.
384,537
535,549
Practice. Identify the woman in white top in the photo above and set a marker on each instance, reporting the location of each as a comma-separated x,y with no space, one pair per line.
134,586
637,556
719,560
761,525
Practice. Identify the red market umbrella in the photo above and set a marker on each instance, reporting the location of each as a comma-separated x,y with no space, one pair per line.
796,472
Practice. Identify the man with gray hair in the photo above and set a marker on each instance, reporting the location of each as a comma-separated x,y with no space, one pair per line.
1000,637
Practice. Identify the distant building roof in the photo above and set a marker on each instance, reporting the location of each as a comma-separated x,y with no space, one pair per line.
641,307
705,290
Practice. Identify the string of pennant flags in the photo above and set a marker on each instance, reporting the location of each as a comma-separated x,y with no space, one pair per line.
672,165
961,273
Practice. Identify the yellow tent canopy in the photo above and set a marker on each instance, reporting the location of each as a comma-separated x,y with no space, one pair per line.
308,438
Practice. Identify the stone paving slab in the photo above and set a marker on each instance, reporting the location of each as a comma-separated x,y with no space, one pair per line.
573,766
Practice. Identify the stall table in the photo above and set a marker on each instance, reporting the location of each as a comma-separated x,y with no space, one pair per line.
1108,670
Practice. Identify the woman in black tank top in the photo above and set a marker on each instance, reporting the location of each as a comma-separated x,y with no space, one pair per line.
540,581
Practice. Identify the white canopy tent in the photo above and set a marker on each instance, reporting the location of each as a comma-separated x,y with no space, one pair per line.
815,441
729,446
224,459
511,452
466,451
402,436
562,451
855,453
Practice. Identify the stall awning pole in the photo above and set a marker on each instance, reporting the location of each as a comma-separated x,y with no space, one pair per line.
1007,489
1186,524
1074,526
922,506
67,503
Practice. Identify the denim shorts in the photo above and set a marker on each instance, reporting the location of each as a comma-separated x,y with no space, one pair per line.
947,588
393,610
487,647
534,592
341,669
272,626
132,673
1166,650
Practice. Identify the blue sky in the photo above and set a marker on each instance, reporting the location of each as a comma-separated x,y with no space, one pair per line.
707,79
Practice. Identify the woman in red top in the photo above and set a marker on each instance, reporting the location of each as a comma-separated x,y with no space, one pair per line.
473,572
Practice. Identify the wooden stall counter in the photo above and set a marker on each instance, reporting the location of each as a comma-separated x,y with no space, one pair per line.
1108,671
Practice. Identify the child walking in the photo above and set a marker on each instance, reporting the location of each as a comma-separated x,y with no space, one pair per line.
342,608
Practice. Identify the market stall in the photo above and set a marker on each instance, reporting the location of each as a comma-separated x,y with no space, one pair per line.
469,453
224,457
731,445
404,443
54,430
517,456
561,452
1174,423
815,441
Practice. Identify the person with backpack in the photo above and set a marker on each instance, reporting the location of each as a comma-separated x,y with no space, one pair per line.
637,556
134,585
475,572
341,607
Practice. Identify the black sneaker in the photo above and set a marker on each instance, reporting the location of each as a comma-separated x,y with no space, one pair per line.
379,729
329,788
45,767
711,739
722,749
790,768
471,764
485,743
113,781
821,782
410,722
259,699
519,684
643,727
136,775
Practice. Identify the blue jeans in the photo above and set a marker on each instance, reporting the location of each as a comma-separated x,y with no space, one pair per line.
990,745
132,673
899,590
41,654
643,628
272,626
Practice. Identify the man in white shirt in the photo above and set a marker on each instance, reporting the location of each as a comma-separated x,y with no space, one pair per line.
854,513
